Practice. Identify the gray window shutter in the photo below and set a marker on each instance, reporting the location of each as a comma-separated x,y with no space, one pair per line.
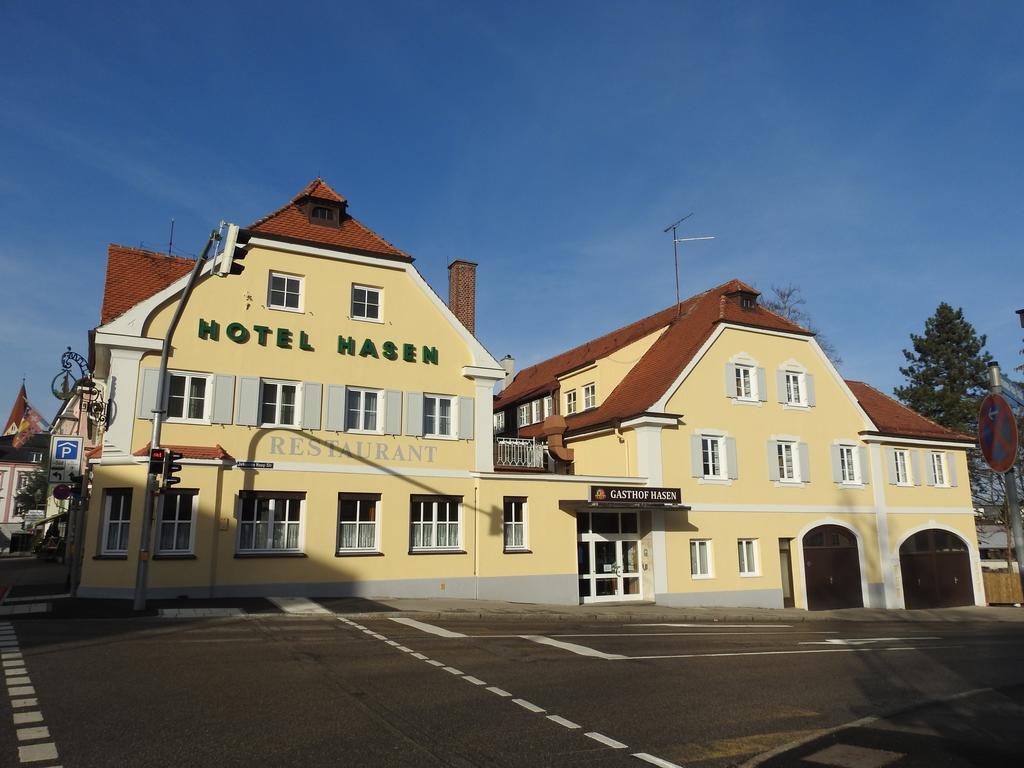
312,402
837,465
951,468
392,412
247,413
780,385
414,414
335,421
762,386
865,470
696,457
809,386
915,463
805,463
467,411
890,460
730,458
147,393
223,404
929,470
730,380
773,460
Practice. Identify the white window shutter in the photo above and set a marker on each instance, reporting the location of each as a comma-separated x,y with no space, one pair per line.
414,414
335,421
730,458
762,386
780,385
865,471
247,412
696,456
837,465
730,380
805,463
392,412
312,401
223,404
809,386
147,393
951,468
773,460
467,410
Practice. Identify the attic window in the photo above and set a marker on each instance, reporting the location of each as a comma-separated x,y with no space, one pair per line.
747,301
322,213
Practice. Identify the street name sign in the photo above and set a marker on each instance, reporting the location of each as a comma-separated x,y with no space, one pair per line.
997,433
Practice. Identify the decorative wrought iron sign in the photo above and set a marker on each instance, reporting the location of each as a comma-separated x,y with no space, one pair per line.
64,383
624,494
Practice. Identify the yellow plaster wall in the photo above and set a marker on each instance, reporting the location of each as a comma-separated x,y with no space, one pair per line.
606,453
606,372
924,495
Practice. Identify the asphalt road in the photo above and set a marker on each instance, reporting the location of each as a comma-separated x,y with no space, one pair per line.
284,691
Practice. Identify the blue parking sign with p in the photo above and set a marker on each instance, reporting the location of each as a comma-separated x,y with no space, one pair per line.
66,450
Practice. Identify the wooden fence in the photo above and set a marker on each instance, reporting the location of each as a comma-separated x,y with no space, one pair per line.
1002,588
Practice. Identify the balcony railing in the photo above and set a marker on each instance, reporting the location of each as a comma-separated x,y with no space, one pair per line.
519,452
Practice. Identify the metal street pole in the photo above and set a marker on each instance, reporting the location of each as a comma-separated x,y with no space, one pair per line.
142,571
1010,482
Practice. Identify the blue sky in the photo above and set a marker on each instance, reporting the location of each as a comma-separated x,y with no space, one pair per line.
870,152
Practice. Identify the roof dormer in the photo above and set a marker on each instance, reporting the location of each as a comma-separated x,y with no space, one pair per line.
742,295
322,205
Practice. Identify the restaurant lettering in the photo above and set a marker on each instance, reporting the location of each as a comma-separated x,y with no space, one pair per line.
628,495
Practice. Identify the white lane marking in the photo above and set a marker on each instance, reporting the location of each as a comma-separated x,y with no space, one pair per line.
453,670
420,656
26,680
718,626
21,690
12,671
300,605
605,740
404,649
35,753
863,640
20,703
24,718
392,643
10,655
474,680
33,734
580,650
683,634
785,653
498,691
562,721
527,705
369,632
13,662
655,760
433,663
423,627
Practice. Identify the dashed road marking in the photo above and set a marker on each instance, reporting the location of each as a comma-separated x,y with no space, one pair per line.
24,718
562,721
580,650
499,691
34,753
419,656
434,663
28,723
33,734
528,705
474,680
605,740
453,670
424,627
21,703
655,760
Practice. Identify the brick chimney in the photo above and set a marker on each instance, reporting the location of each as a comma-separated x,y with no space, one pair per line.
462,292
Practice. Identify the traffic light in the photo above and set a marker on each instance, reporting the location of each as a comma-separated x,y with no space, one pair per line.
233,251
171,469
156,460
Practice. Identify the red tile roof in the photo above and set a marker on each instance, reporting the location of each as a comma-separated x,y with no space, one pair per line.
893,418
684,329
214,452
291,223
135,274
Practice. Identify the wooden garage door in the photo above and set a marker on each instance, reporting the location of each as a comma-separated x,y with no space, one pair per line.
832,569
936,568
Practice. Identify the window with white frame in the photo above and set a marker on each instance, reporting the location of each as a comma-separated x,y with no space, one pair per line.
796,390
358,523
366,303
435,522
499,422
22,480
789,461
279,403
523,415
362,410
745,382
938,460
187,396
849,469
117,515
177,520
285,292
270,521
547,406
515,523
712,453
700,558
438,418
534,411
901,465
570,402
589,396
747,550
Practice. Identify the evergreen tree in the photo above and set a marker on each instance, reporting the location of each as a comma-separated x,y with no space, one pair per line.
947,371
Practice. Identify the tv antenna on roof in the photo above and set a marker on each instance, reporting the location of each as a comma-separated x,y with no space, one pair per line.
675,250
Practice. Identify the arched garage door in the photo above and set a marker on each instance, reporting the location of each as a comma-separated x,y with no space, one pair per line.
832,569
936,569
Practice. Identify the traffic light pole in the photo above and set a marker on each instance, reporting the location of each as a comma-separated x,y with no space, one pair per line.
1010,482
142,570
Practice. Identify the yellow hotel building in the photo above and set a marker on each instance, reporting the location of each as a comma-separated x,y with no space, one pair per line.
341,436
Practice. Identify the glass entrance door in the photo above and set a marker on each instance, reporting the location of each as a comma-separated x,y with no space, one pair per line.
609,560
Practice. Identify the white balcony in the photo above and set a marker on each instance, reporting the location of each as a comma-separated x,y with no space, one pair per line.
519,452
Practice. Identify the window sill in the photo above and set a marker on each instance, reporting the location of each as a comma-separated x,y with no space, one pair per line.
750,575
850,486
742,401
437,551
790,483
358,553
378,321
175,556
440,437
714,481
257,555
796,407
286,309
696,577
110,557
517,551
